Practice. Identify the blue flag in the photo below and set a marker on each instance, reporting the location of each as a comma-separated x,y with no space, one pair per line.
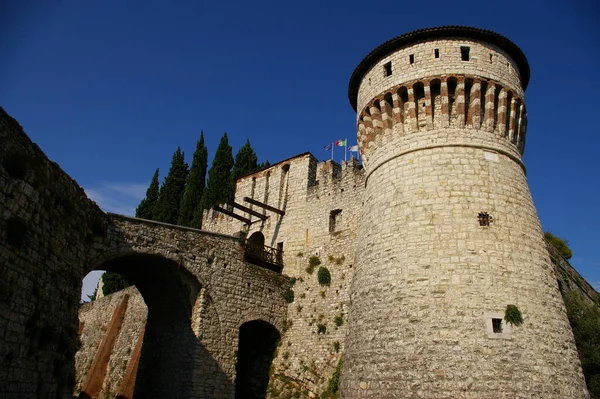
328,147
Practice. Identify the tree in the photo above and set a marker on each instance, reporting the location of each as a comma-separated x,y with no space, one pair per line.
561,245
171,192
146,208
194,187
246,162
218,188
113,282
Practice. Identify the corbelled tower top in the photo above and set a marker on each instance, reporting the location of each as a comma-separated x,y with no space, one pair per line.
442,32
455,79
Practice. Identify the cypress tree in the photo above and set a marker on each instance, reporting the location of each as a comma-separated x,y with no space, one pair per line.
218,188
113,282
246,162
146,208
171,192
194,187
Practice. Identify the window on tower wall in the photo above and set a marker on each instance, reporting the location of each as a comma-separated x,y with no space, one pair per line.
335,220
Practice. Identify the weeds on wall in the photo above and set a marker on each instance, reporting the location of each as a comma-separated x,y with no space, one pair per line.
288,295
334,382
512,315
321,328
339,320
336,260
336,346
323,276
313,262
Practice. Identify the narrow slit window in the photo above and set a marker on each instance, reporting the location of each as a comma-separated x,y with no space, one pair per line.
387,69
436,53
491,58
411,58
464,53
497,326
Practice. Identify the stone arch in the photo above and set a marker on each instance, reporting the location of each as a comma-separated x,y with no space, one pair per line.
173,361
257,342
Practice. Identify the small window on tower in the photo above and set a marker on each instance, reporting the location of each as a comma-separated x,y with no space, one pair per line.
387,69
484,219
436,53
335,220
497,326
411,58
464,53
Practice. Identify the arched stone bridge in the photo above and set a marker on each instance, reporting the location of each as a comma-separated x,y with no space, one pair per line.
198,289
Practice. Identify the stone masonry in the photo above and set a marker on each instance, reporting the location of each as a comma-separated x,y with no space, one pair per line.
197,287
426,246
449,235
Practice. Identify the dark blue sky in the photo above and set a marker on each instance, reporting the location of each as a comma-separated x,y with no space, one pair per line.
109,89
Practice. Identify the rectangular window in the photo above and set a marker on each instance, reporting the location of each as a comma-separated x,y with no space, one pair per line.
464,53
411,58
335,220
387,69
484,219
436,53
497,326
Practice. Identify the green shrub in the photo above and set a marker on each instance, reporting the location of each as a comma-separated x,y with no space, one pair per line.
339,320
334,382
336,346
323,276
313,262
584,318
321,329
512,315
288,295
562,246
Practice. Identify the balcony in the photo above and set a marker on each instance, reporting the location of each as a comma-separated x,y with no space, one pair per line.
263,256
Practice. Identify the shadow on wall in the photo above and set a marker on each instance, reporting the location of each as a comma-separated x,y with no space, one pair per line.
173,362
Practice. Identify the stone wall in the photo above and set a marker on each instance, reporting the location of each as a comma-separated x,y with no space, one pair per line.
52,235
450,237
94,319
311,194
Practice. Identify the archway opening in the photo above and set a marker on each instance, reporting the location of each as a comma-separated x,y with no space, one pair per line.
159,356
256,350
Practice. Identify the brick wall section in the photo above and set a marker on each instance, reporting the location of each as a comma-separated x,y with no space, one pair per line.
52,235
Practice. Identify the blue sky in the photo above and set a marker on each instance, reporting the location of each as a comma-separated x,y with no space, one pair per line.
110,88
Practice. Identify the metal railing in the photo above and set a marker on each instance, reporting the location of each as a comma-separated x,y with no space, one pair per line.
262,255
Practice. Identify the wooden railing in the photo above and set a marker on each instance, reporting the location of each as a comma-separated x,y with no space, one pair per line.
262,255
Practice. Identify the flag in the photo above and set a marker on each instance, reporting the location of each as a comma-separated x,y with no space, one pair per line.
341,143
353,148
328,147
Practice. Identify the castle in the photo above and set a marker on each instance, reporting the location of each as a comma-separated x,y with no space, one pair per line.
403,266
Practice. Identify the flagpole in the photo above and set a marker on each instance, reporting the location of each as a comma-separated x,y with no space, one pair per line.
345,150
332,145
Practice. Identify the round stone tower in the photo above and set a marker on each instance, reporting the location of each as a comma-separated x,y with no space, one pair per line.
450,235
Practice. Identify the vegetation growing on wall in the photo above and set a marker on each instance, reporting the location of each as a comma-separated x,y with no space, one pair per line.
561,245
313,262
512,315
584,317
323,276
334,382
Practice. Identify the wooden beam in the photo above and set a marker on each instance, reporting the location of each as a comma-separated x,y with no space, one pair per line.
233,215
250,211
267,207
